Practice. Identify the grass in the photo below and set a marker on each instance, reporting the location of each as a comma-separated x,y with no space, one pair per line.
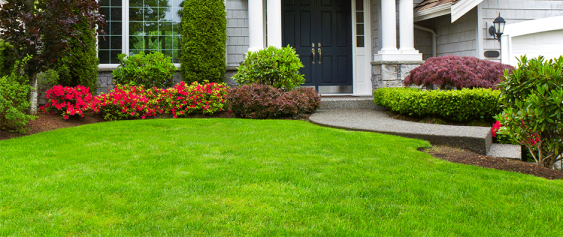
257,177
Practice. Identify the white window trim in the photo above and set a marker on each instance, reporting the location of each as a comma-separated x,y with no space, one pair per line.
124,37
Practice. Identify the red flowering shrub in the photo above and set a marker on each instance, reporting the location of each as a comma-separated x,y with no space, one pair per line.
460,72
182,100
70,101
263,101
130,102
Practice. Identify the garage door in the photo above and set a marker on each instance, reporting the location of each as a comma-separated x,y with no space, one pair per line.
548,44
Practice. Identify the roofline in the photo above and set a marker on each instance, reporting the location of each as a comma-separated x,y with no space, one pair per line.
433,12
456,10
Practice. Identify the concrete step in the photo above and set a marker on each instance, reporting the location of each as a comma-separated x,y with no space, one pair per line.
348,102
505,151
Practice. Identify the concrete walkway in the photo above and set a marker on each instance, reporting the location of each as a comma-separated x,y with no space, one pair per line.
477,139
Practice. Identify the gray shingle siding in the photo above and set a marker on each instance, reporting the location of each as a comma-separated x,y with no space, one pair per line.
237,31
458,38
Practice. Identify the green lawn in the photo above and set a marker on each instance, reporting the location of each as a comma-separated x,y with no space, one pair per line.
186,177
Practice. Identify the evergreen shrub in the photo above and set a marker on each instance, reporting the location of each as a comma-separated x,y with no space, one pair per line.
459,72
455,105
264,101
80,65
204,37
7,58
13,100
148,70
277,67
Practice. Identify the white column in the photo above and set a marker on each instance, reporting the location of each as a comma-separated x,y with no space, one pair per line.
255,25
274,23
388,27
406,26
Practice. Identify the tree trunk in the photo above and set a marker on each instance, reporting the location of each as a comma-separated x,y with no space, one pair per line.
33,95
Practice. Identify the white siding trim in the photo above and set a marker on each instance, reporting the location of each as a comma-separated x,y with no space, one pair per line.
460,8
434,12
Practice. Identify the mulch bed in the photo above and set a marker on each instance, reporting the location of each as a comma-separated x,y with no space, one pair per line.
48,122
461,156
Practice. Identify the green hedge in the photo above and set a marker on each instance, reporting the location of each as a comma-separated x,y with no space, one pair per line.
204,37
455,105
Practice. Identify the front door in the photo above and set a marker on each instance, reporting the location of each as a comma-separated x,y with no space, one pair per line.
320,31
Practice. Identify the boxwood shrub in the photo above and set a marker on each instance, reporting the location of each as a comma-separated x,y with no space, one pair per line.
277,67
455,105
264,101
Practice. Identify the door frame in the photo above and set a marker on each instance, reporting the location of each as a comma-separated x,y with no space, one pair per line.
361,56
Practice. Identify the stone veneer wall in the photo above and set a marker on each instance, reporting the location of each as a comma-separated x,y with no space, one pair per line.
391,74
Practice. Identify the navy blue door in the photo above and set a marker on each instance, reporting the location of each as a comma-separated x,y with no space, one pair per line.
320,31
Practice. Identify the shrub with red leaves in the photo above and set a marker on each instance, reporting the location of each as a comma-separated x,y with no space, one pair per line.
460,72
264,101
70,101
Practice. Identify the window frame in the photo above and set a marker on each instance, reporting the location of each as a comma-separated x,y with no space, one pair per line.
124,37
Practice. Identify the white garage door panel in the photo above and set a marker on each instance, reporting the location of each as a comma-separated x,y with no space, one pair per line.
548,44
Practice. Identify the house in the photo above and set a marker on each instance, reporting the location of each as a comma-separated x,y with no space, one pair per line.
461,28
346,46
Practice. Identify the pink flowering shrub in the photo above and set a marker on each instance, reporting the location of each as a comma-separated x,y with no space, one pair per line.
182,100
264,101
69,101
130,102
459,72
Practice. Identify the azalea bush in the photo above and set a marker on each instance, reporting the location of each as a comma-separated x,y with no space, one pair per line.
129,102
532,98
459,72
69,101
263,101
13,100
183,99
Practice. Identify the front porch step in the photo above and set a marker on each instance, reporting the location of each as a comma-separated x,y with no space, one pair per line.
505,151
348,102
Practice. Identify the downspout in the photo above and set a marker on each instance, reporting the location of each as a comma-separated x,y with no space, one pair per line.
434,44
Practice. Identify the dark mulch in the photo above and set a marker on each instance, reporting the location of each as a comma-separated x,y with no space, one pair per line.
461,156
48,122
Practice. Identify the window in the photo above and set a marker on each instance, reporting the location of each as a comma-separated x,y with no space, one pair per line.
360,23
144,26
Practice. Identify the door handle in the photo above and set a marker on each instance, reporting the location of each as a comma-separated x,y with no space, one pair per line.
313,51
320,53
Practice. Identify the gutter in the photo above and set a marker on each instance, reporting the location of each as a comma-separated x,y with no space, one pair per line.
434,43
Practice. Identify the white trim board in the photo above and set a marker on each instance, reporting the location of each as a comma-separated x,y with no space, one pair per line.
456,10
525,28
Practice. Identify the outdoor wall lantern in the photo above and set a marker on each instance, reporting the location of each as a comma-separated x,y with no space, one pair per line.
497,29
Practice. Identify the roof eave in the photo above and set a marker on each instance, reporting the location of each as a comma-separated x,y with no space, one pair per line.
457,10
433,12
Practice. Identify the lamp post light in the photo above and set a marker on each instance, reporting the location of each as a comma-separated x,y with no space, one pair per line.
498,27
